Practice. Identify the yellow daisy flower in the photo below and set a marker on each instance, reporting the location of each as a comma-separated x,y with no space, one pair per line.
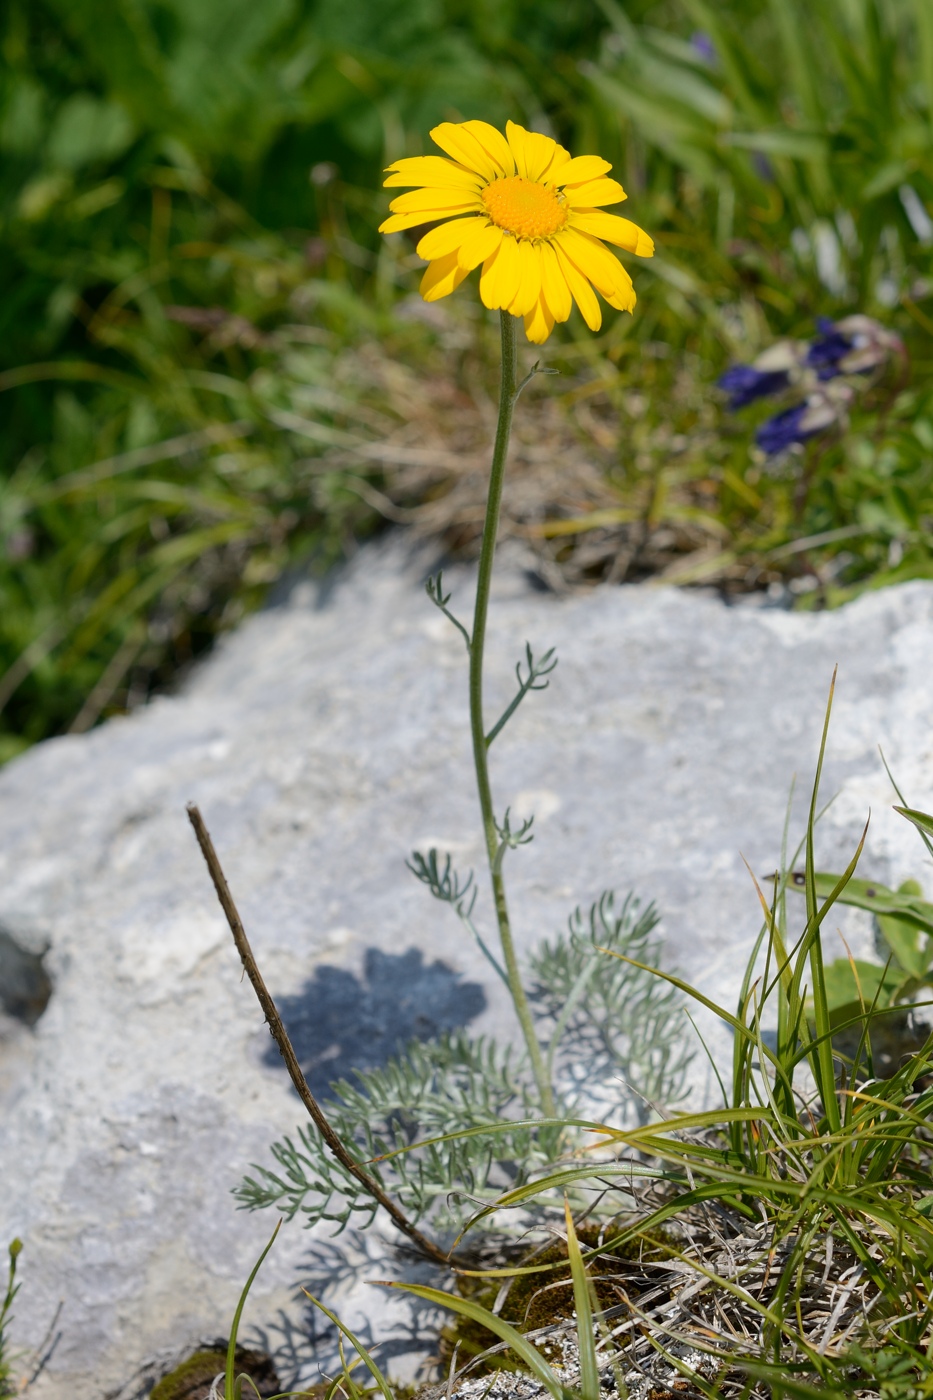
531,214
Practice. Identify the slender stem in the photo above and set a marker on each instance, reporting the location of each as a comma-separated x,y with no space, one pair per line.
231,1390
508,393
286,1050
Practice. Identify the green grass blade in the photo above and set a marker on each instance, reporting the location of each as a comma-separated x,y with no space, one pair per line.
681,1122
589,1365
520,1345
790,23
870,895
738,70
711,1191
501,1125
923,17
787,1029
921,820
900,796
361,1350
229,1377
740,1044
735,1022
823,1067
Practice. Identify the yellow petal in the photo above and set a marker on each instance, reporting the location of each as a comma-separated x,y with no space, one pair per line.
431,170
624,303
607,275
447,238
559,158
433,199
516,138
528,287
583,168
494,144
396,222
441,277
559,161
499,278
581,290
623,298
538,323
464,147
595,192
477,247
554,287
533,152
622,232
603,269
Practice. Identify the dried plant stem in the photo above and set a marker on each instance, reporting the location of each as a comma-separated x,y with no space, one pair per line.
286,1050
509,390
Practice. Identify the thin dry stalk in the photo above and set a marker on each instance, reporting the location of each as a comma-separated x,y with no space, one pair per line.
286,1050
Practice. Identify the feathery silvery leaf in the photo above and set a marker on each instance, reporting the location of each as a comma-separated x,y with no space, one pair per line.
614,1031
435,1087
611,1025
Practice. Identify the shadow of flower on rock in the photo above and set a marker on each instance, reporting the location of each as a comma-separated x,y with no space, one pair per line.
340,1022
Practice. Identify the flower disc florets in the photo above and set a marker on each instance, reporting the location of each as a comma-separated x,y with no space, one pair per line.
528,213
524,208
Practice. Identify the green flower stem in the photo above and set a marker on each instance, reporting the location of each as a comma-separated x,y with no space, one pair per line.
508,393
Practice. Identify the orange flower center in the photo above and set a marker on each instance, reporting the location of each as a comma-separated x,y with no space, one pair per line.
524,207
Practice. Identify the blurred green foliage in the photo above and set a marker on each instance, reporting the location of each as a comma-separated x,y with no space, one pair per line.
787,149
189,194
155,163
802,129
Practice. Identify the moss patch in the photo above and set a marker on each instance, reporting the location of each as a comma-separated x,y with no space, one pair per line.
192,1379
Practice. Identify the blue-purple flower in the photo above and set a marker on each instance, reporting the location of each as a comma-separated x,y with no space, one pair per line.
820,410
785,429
828,350
770,373
745,384
855,345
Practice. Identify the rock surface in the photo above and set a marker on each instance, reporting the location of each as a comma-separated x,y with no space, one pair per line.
323,741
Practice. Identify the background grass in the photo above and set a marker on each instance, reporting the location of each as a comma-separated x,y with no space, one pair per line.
204,349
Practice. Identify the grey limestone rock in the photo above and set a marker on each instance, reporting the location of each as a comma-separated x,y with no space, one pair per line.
323,741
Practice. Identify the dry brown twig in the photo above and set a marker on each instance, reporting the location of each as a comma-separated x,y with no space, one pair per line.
286,1050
